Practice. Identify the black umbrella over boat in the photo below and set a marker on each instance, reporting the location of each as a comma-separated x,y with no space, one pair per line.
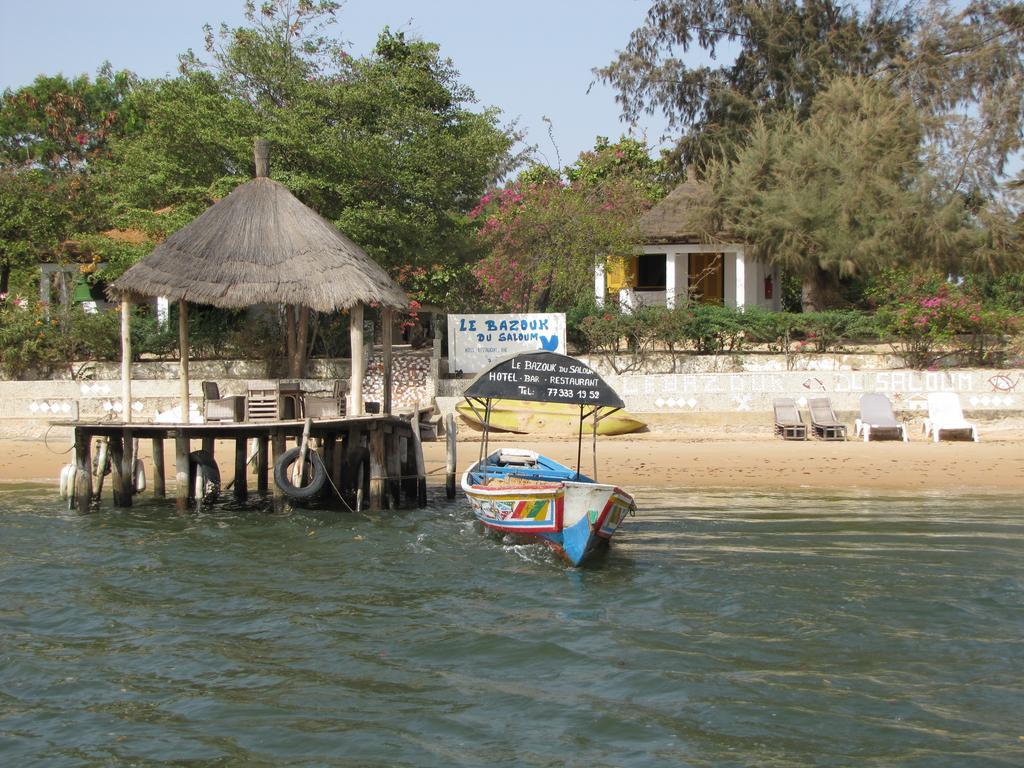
544,377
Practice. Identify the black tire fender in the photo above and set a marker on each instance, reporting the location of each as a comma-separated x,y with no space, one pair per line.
205,461
299,492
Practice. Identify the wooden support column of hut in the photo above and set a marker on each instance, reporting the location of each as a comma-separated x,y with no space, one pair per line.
357,363
260,245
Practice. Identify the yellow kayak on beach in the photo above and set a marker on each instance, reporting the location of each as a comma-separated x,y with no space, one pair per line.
524,417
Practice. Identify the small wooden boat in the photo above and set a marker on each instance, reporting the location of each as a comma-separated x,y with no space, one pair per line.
520,492
530,496
551,418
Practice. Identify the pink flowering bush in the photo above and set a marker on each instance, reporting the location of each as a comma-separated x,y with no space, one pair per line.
930,320
542,233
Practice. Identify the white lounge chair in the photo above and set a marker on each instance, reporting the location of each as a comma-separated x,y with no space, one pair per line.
877,419
945,415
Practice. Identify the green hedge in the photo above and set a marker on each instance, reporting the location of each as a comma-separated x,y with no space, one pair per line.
714,329
924,327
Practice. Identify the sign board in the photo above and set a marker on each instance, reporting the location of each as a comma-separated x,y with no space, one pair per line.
544,377
477,341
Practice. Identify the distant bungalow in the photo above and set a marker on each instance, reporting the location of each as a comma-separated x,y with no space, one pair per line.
672,261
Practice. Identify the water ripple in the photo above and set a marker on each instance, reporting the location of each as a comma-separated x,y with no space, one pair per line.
723,629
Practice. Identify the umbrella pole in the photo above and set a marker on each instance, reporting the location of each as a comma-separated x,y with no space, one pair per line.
183,353
126,359
579,444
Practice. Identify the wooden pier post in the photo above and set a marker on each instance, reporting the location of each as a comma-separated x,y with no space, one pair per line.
159,484
449,465
83,466
277,442
378,488
354,461
181,451
116,448
208,445
241,487
127,469
262,463
393,467
102,459
330,446
421,471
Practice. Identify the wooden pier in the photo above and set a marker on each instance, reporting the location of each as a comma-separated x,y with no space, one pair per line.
376,458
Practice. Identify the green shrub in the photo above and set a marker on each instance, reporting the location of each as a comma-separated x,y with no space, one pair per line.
574,320
827,331
713,328
29,341
773,329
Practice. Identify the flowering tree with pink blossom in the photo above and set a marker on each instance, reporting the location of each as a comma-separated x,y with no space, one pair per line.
544,232
929,318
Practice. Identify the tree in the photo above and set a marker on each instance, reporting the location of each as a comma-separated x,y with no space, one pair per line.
840,195
60,124
961,64
964,70
267,62
32,220
50,133
544,234
386,146
788,51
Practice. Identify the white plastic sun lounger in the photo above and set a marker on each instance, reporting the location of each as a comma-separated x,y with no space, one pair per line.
877,419
945,415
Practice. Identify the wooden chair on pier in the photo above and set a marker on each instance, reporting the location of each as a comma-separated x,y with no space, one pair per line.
274,402
327,407
217,408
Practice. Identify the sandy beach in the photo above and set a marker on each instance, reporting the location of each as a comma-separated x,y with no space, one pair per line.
694,458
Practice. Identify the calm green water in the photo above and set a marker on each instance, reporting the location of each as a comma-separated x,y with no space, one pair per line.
724,629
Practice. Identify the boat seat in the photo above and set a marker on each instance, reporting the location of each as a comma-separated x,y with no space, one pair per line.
513,457
519,482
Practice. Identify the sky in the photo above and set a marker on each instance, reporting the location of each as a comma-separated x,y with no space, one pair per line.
531,58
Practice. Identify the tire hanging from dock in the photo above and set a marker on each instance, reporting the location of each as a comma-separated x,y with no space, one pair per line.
203,475
299,492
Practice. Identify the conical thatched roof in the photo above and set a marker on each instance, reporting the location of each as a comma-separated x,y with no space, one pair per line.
260,245
666,222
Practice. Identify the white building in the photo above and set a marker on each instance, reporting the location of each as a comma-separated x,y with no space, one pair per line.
671,264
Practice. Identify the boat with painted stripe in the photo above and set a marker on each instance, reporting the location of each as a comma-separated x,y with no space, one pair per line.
531,496
520,492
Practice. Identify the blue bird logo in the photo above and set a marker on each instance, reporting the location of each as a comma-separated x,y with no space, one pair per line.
549,343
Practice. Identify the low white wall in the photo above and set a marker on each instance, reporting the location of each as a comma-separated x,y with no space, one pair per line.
738,392
708,389
28,407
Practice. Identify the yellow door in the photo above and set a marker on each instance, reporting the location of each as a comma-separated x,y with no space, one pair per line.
707,278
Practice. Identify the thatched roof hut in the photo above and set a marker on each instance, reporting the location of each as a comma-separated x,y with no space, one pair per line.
261,245
666,222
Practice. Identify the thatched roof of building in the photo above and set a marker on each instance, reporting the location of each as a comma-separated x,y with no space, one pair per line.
261,245
666,222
